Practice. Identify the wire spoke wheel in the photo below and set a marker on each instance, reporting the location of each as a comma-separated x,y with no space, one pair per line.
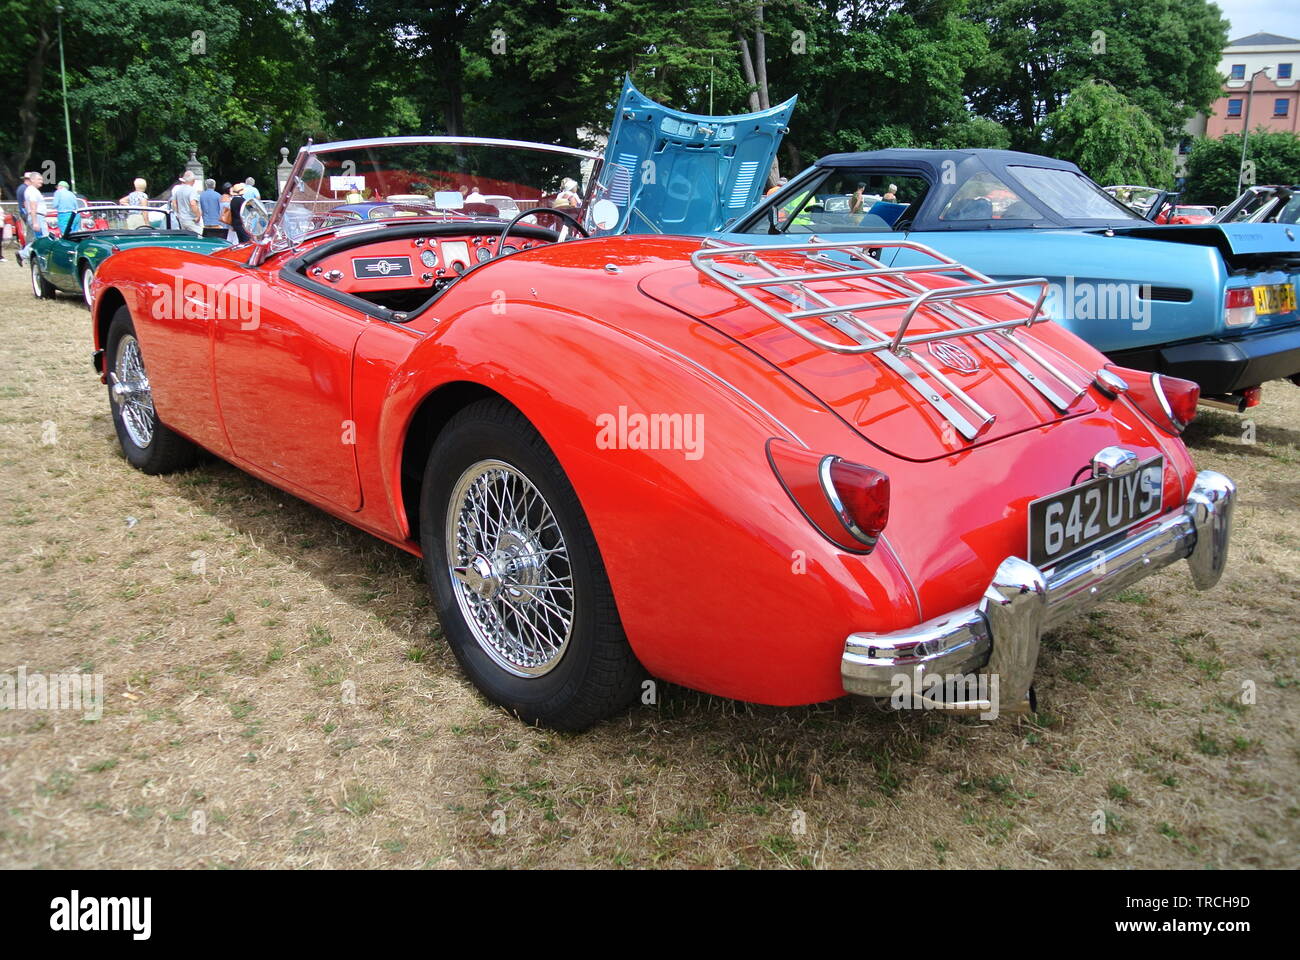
510,568
130,391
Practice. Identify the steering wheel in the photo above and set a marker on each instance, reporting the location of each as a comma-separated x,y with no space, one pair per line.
505,232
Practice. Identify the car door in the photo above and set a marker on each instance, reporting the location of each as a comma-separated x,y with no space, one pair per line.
57,259
282,363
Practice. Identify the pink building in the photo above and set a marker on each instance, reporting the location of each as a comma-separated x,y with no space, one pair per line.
1261,87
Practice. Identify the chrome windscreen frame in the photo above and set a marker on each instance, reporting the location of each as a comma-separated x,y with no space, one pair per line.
265,245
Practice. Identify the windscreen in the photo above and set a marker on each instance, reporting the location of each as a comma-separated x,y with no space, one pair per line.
1070,195
443,181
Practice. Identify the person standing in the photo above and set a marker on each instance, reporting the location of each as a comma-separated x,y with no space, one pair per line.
34,205
236,221
185,204
250,190
137,197
18,219
21,222
65,206
568,197
210,209
22,188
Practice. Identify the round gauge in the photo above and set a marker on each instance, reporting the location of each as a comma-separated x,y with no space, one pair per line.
429,258
509,249
483,254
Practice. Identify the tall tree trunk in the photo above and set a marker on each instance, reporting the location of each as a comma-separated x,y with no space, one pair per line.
754,69
793,155
760,72
747,68
14,165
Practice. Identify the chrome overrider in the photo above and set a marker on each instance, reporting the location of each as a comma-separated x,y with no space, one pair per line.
1000,634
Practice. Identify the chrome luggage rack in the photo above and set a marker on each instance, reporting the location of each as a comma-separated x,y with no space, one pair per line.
894,351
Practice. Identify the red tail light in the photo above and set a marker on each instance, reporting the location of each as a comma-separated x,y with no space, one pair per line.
1169,402
1239,307
847,502
859,495
1181,397
1251,396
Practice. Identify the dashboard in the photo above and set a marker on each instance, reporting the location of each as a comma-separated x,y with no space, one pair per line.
411,263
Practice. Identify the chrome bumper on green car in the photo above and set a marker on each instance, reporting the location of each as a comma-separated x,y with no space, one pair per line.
1000,634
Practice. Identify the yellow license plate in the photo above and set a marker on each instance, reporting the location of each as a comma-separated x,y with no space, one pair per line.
1275,298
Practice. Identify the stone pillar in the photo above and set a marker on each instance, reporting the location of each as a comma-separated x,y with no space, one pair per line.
193,165
283,168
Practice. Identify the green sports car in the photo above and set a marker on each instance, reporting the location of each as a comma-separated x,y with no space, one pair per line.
68,261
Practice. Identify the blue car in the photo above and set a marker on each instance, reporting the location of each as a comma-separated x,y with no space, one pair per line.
1211,303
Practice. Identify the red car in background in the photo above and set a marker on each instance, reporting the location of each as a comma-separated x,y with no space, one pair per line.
767,473
1184,213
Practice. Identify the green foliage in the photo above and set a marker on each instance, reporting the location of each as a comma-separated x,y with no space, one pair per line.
237,79
149,80
1110,138
977,133
873,74
1162,55
1213,165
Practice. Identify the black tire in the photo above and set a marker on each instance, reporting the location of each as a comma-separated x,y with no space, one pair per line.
164,450
595,675
42,289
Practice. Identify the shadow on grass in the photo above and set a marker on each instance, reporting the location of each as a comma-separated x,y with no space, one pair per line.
370,575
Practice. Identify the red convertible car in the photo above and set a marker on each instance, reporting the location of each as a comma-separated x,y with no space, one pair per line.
767,473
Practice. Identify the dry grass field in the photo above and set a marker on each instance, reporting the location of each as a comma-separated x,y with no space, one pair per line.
278,695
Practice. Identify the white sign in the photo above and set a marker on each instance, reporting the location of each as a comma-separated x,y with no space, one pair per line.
340,184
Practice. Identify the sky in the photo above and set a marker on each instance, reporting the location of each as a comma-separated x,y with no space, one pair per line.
1262,16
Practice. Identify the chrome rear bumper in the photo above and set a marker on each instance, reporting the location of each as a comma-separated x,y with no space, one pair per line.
1000,634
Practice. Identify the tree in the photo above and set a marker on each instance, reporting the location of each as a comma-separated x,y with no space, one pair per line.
1111,139
977,133
676,52
1213,165
1161,54
873,73
30,26
149,80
